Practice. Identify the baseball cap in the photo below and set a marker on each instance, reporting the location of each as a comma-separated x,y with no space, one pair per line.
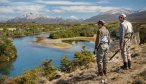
101,22
124,15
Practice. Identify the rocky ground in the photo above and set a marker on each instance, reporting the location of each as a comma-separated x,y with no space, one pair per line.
87,75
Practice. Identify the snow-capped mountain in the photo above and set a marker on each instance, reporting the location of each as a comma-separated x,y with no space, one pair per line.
41,19
111,15
119,11
33,16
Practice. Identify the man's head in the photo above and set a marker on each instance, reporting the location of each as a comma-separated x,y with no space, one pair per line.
101,23
122,17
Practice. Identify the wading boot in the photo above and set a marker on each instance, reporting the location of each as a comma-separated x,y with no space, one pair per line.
100,74
105,72
125,66
129,64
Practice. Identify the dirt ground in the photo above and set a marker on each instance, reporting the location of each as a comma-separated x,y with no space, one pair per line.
116,75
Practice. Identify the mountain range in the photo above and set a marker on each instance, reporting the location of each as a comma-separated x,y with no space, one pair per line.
107,16
31,17
134,16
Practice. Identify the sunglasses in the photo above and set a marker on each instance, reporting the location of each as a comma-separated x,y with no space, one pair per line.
121,17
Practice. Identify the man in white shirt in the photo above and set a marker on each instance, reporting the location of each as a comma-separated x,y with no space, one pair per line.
125,32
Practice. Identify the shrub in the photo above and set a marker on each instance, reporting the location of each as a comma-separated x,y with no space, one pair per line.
83,58
7,50
80,59
29,77
66,64
49,70
74,31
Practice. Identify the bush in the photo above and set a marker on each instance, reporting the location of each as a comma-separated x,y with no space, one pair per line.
113,28
29,77
83,58
66,64
7,50
74,31
34,76
49,70
80,59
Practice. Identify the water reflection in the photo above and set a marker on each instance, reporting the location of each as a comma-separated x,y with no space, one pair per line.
74,41
6,67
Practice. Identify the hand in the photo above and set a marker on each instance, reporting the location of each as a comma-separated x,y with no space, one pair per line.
94,52
121,46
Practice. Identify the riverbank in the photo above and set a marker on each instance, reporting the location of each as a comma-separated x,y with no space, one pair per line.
7,50
52,43
59,43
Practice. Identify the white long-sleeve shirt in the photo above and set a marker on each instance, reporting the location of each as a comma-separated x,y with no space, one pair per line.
125,28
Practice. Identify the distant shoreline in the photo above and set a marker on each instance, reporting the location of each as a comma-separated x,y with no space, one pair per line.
58,43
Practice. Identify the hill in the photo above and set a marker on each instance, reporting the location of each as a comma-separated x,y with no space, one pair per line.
135,16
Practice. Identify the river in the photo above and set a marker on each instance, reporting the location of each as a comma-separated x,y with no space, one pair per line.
30,55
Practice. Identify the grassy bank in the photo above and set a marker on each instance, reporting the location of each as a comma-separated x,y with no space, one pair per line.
63,43
7,50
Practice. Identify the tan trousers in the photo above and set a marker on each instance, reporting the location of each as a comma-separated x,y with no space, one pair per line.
125,52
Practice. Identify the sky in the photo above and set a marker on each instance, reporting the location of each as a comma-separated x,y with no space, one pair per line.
78,9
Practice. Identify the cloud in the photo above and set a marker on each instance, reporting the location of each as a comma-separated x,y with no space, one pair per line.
103,1
5,10
57,11
4,1
29,8
22,7
87,8
60,2
52,7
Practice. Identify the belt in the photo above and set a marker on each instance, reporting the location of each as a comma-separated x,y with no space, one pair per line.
127,37
103,42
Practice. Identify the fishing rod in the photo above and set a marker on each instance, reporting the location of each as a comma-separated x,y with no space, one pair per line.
116,52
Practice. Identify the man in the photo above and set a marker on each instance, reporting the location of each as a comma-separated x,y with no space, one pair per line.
125,32
101,48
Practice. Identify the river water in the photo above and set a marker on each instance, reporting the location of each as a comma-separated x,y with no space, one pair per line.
30,55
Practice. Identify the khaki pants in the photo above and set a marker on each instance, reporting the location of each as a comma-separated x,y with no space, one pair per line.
125,52
101,57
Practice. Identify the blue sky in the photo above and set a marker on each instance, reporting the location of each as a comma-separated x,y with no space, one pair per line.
66,8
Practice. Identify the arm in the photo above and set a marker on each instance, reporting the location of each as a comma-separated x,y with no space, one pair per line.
122,34
108,38
97,40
